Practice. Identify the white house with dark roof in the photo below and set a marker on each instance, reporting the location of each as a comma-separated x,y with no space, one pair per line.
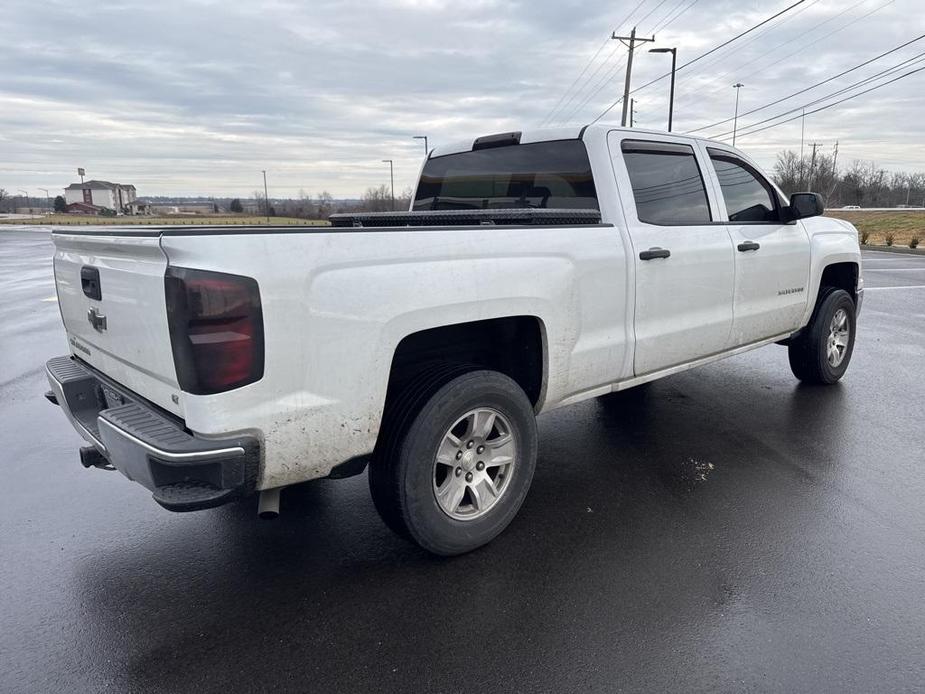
114,196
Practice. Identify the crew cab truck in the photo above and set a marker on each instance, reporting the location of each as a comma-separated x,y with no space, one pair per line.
535,269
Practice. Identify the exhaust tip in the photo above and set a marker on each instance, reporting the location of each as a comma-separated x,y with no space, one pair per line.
268,504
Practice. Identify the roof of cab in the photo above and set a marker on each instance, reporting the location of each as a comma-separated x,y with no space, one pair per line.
549,134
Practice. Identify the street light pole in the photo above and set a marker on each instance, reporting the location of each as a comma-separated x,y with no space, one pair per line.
266,196
391,180
426,148
735,120
674,62
47,197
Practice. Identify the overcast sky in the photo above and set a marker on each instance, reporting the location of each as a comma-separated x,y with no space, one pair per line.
195,98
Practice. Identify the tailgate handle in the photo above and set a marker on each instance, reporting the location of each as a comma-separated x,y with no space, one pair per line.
90,282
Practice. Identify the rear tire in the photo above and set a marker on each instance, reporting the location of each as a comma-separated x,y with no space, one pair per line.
434,487
822,351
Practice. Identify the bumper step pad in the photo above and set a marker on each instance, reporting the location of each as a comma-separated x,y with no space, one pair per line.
183,472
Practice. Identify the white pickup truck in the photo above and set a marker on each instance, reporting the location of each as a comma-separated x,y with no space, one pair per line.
535,269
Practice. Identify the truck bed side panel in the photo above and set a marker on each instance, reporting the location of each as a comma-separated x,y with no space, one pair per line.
336,305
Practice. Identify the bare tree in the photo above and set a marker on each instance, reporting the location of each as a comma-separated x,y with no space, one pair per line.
403,201
378,199
324,204
787,171
861,183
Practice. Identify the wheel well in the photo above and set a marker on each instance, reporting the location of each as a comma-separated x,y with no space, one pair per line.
511,345
842,276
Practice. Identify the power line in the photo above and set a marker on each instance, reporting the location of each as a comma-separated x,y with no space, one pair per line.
588,64
580,74
905,63
836,103
649,13
758,35
613,71
703,55
666,22
803,46
817,84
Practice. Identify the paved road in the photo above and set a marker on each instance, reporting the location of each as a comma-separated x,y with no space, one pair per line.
731,531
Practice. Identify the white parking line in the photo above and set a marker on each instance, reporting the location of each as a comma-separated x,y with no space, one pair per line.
51,298
895,269
896,256
911,286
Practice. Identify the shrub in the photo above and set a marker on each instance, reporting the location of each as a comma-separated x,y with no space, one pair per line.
865,235
889,239
914,242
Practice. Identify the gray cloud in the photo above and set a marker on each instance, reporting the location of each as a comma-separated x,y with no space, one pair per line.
184,97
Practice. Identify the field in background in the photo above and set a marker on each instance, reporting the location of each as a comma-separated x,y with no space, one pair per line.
902,224
73,220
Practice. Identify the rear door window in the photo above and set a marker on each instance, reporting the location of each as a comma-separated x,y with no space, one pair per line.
554,174
667,184
749,198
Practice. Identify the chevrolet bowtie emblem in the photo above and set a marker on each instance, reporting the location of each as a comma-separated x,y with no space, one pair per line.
97,320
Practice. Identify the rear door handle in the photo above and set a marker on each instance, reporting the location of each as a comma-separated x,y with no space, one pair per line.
749,246
654,253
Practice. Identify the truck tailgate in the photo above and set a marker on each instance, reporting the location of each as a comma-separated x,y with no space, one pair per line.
112,300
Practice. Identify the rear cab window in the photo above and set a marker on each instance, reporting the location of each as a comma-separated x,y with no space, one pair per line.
554,174
667,183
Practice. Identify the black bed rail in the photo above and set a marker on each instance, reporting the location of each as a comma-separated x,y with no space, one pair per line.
520,217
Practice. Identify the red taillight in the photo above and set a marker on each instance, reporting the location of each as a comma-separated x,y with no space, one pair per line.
216,329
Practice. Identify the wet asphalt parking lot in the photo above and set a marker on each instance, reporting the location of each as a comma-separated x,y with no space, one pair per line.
730,530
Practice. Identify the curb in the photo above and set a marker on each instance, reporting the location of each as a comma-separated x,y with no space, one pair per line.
894,249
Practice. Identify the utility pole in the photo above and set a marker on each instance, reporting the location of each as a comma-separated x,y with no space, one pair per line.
812,163
632,111
266,196
735,119
834,170
802,134
391,180
629,66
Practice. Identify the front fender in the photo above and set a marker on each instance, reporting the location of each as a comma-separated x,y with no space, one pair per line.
832,241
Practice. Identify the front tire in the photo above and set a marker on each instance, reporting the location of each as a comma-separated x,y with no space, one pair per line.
454,466
821,353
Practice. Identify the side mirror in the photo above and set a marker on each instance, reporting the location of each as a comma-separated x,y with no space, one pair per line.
804,205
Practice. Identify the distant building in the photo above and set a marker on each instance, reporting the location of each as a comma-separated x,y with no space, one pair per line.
185,208
140,207
113,196
82,208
